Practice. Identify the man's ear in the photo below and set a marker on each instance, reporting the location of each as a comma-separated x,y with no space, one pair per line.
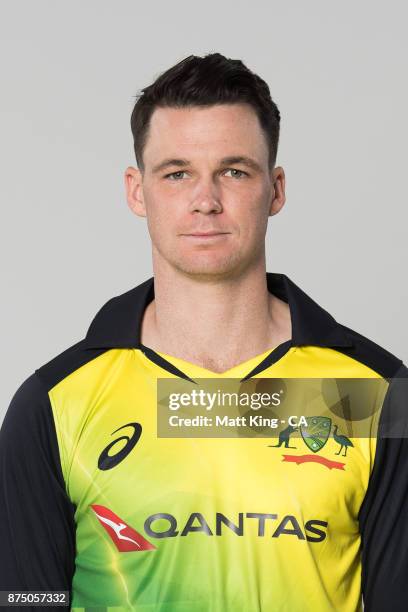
279,197
134,191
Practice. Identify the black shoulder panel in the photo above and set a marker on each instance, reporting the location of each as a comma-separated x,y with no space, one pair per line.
37,524
383,515
370,354
55,370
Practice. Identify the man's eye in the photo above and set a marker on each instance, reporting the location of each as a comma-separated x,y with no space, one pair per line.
173,174
241,172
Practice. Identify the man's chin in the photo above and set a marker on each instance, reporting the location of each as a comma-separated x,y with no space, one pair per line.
214,270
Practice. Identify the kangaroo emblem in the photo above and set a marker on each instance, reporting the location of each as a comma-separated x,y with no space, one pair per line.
284,437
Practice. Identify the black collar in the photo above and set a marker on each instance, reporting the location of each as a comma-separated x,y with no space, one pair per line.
118,322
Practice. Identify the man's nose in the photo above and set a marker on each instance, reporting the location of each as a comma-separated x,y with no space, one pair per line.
206,198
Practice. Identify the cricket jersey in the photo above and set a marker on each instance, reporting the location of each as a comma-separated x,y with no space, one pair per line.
94,502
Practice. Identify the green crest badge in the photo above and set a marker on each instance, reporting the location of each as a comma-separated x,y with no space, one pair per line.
316,433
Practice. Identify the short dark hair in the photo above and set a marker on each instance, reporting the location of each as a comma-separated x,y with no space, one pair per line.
205,81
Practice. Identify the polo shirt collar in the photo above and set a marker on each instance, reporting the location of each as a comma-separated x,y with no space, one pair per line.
118,322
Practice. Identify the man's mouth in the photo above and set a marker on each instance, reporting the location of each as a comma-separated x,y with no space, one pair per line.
206,234
205,237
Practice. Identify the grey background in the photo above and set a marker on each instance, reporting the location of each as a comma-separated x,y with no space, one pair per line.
69,74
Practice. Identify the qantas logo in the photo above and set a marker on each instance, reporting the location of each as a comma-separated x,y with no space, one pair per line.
124,536
128,539
106,461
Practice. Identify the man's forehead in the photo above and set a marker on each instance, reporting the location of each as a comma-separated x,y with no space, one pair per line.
182,129
196,112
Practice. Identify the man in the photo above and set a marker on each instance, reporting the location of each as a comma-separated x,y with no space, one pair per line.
93,501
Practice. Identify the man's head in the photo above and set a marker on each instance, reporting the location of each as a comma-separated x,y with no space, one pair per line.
206,136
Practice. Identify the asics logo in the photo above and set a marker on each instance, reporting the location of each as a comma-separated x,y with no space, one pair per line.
107,461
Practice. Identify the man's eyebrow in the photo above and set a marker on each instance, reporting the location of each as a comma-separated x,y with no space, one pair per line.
170,162
232,159
242,159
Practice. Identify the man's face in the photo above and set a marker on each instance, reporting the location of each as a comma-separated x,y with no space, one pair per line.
189,187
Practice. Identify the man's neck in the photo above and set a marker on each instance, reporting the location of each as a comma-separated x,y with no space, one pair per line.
214,325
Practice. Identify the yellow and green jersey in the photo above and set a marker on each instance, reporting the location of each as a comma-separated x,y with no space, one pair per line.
95,502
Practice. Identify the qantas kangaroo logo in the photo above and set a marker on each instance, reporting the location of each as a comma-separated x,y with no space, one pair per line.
125,537
106,461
